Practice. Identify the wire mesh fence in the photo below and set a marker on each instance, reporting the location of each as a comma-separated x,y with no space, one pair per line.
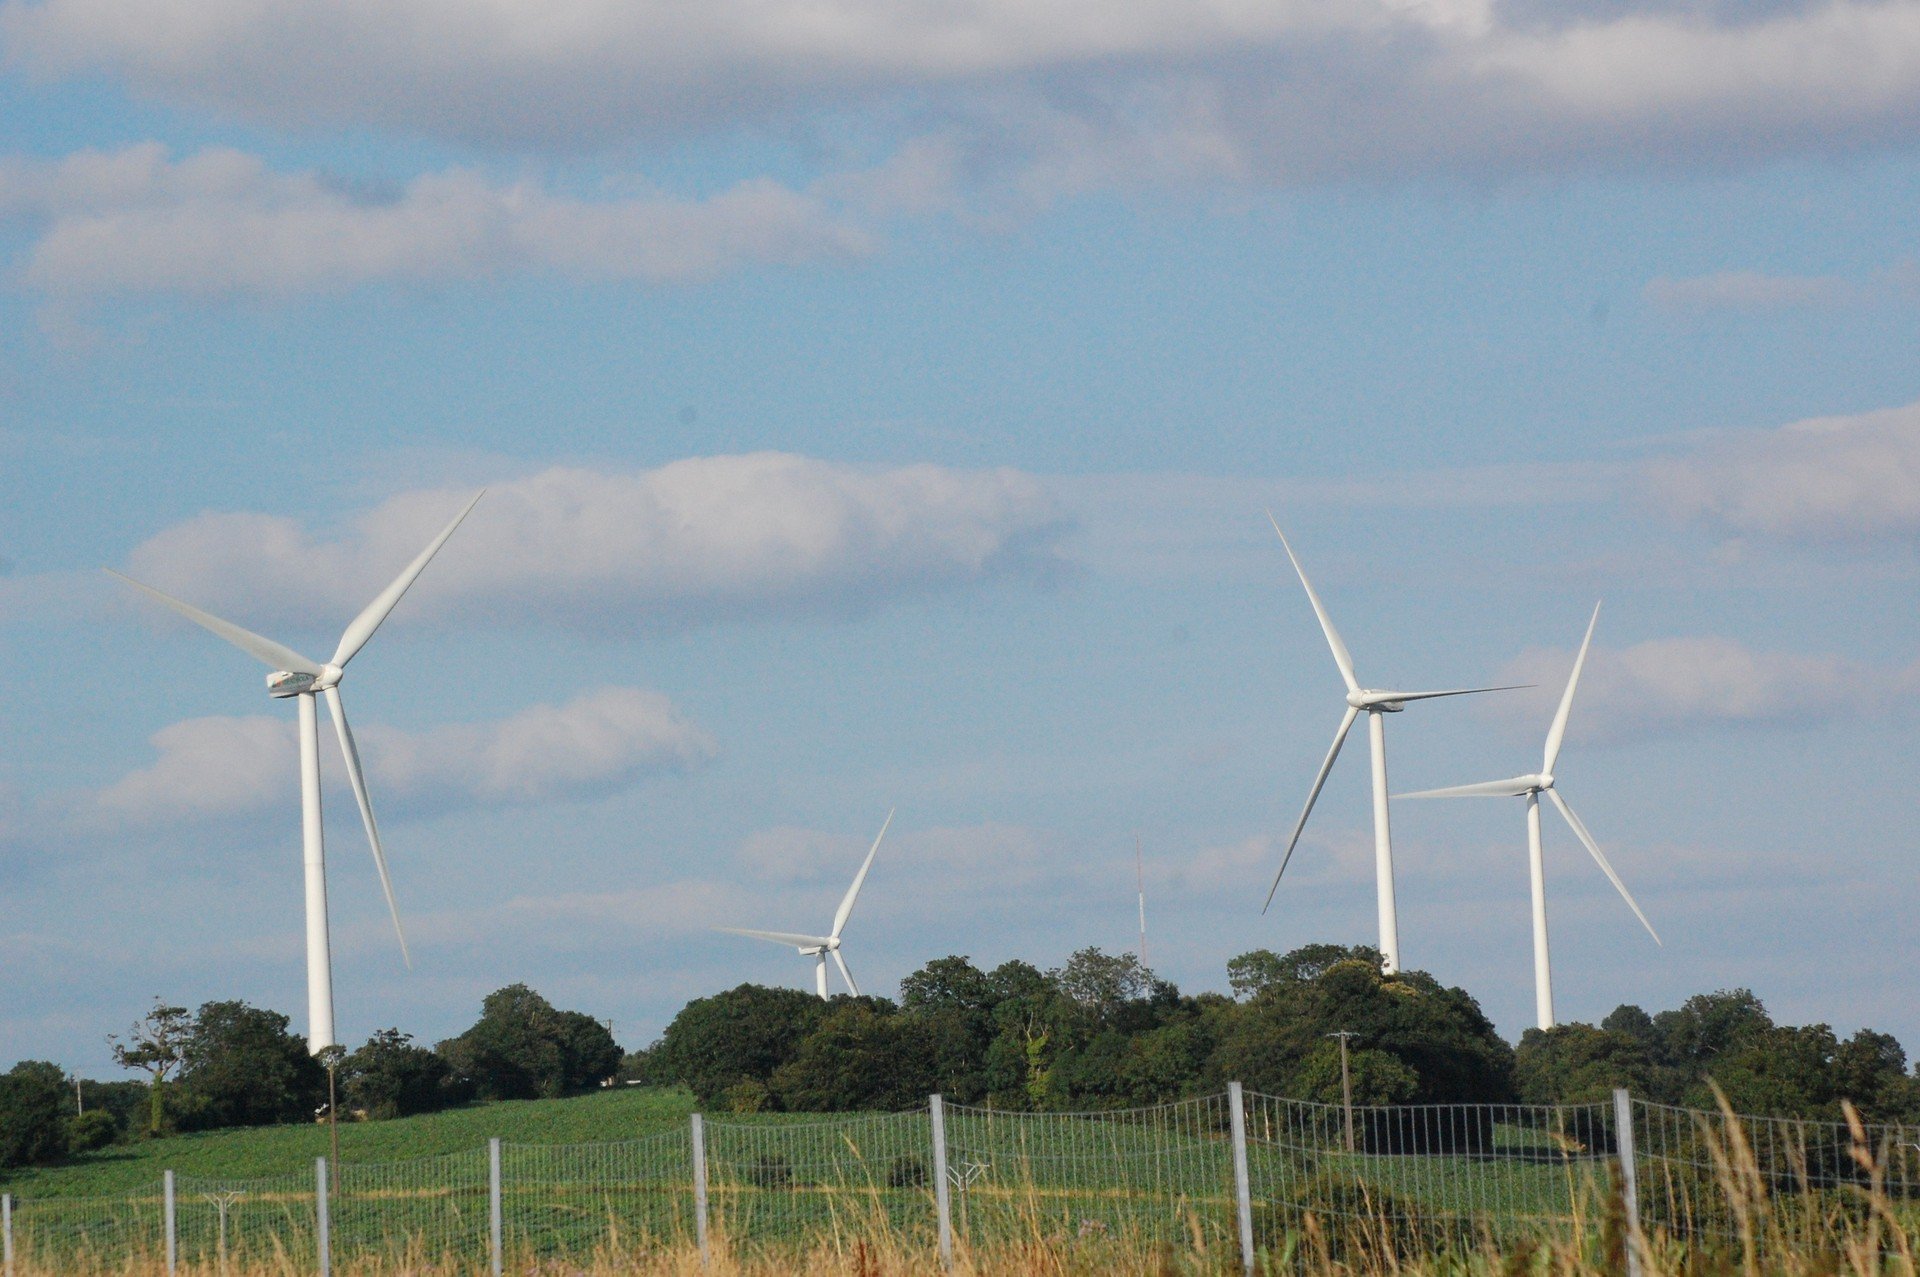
779,1181
1409,1179
1147,1174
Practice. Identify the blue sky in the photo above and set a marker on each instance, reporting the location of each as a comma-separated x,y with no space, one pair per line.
879,406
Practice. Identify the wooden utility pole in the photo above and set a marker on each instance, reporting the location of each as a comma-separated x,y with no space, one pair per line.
1346,1085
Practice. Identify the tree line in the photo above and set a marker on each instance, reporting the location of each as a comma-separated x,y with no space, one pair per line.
230,1064
1100,1031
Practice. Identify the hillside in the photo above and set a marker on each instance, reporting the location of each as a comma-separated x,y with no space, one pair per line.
275,1150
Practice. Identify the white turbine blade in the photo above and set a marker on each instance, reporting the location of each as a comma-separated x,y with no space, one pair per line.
1511,788
845,910
368,621
779,937
359,779
845,974
1313,795
1397,697
1341,656
1558,731
274,655
1594,849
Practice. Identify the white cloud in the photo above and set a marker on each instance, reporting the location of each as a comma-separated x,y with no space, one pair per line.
1675,686
1751,290
1288,91
598,743
221,223
731,535
1823,479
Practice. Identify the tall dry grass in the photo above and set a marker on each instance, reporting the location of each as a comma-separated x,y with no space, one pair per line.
1766,1221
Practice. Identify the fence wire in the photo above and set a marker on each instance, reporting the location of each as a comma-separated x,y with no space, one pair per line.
611,1200
1418,1177
1149,1174
1362,1182
1769,1184
782,1181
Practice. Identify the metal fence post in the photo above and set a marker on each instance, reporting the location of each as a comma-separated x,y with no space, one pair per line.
495,1224
1629,1180
171,1221
700,1185
323,1225
942,1205
6,1233
1242,1188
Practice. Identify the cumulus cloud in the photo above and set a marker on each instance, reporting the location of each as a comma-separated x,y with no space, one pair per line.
709,536
598,743
1287,90
221,223
1677,686
1824,479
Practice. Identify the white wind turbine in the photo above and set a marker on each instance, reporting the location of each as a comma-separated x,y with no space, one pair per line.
296,676
818,947
1531,787
1373,702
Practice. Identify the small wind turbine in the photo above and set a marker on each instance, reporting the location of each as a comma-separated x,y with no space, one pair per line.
1531,787
1373,702
296,676
818,947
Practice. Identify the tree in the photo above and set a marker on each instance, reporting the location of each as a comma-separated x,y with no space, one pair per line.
33,1112
522,1047
1579,1064
861,1055
390,1077
1376,1077
741,1035
242,1066
157,1046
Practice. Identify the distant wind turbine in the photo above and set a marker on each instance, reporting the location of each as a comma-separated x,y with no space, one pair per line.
1531,787
818,947
1373,702
302,679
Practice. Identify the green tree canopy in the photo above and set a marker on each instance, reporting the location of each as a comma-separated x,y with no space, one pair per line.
523,1047
33,1113
241,1066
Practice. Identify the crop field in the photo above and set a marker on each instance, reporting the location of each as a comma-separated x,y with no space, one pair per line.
1134,1182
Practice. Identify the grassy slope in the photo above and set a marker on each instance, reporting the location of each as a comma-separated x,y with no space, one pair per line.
276,1150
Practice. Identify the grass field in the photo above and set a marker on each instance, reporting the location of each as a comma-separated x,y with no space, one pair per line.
626,1114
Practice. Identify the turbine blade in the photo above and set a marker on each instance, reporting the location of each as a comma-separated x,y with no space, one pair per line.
795,939
1511,788
275,655
374,613
1593,848
845,910
1558,731
359,779
1341,656
845,974
1397,697
1313,795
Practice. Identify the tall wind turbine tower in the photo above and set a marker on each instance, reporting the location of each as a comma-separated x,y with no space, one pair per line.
1530,788
1373,702
1140,880
295,676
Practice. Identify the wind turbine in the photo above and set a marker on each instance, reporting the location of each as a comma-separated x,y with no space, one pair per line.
1373,702
302,679
1531,787
818,947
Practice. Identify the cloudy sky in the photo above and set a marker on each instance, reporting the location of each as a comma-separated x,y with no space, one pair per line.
878,406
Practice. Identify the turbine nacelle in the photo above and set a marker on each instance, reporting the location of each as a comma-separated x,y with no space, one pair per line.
284,683
1370,699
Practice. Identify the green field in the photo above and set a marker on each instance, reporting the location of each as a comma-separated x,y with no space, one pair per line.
626,1114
